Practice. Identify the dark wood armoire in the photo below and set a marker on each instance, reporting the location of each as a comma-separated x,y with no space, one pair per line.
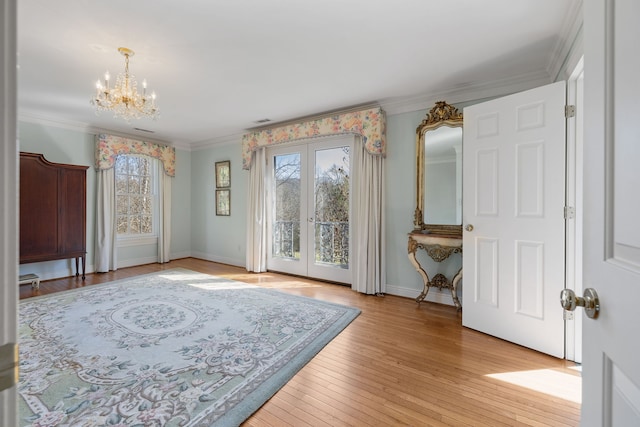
53,211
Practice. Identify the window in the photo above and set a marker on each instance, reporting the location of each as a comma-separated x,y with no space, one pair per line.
136,196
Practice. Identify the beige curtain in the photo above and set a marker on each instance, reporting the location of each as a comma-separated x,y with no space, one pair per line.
105,241
368,246
164,215
257,213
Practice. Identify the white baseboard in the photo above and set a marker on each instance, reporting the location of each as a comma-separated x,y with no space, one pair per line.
53,270
434,295
180,255
137,261
221,260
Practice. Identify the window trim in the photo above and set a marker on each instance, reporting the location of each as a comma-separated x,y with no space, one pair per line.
130,240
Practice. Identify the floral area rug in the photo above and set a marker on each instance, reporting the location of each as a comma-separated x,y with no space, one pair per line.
172,348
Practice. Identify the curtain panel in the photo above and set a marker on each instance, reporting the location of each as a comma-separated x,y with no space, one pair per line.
257,215
368,124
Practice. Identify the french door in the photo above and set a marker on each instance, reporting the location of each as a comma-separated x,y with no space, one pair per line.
308,194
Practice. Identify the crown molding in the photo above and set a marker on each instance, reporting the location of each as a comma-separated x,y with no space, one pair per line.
466,93
568,42
391,106
28,117
217,142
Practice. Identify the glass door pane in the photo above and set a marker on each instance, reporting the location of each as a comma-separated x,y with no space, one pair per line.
286,215
287,205
331,209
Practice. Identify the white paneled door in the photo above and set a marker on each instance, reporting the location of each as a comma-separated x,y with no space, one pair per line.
611,342
513,201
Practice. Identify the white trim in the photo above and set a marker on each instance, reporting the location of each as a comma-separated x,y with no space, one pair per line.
132,262
28,117
574,57
217,142
180,255
467,93
58,272
391,106
8,198
573,259
441,160
221,260
434,295
125,242
569,39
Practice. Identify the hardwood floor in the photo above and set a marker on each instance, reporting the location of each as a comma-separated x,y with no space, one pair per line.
398,363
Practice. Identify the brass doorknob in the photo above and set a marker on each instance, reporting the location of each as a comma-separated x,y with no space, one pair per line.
569,301
469,227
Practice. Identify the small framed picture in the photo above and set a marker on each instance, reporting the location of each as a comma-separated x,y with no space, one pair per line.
223,174
223,202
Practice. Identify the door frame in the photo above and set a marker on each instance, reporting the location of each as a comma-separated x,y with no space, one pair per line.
9,197
574,191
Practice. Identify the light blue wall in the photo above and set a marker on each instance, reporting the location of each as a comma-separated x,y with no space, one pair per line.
402,278
181,207
70,147
223,239
77,147
218,238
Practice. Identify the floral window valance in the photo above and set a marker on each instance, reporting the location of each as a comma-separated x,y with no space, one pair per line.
108,147
370,124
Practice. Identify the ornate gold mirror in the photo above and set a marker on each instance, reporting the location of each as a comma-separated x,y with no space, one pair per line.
439,172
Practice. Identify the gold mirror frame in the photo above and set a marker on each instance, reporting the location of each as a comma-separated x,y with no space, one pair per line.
442,114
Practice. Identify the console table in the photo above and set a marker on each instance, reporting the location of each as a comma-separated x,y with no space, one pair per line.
439,247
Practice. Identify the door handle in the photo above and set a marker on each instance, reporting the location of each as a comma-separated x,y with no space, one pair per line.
469,227
591,303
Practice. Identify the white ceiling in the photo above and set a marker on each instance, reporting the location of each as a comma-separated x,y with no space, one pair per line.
219,66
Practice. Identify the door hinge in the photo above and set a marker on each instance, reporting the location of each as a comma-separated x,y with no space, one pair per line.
569,111
8,365
569,212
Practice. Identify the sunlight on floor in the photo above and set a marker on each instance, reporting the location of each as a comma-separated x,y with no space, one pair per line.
268,281
185,276
218,286
554,383
287,284
219,281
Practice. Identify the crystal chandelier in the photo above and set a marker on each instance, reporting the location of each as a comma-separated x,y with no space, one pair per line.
123,98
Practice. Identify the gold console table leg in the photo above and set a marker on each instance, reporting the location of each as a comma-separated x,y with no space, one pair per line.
438,253
423,275
454,289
